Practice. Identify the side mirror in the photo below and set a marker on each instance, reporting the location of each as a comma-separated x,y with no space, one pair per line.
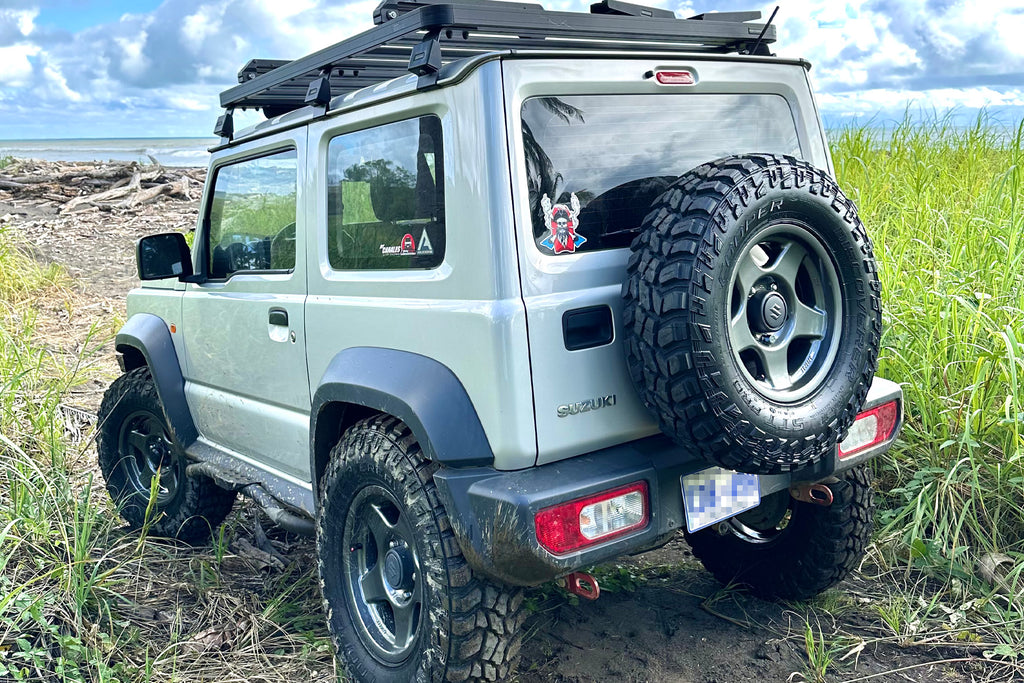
163,256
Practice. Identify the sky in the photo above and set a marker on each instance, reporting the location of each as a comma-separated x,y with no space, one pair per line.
151,68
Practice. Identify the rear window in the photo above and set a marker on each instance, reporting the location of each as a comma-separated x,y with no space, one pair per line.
594,163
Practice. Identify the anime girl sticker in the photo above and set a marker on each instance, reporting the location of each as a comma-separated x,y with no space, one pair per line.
563,222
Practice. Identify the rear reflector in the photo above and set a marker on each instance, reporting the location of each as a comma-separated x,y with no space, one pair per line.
582,522
871,428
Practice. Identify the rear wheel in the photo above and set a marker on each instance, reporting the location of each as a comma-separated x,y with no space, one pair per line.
136,453
788,549
402,603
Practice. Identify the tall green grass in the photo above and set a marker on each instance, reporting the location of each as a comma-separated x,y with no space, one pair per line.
55,581
943,206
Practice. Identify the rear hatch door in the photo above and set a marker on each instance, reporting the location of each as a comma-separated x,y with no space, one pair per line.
593,142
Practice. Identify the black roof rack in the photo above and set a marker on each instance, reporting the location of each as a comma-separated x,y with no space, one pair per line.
419,36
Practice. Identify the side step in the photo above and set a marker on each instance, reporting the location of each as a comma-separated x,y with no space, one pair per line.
289,520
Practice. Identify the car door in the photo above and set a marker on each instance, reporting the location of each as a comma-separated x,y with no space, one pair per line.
243,325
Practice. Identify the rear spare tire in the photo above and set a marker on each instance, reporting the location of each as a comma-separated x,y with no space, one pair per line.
752,314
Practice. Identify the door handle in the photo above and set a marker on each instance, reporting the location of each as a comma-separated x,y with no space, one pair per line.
279,316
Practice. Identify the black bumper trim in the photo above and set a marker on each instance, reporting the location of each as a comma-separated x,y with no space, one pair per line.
492,512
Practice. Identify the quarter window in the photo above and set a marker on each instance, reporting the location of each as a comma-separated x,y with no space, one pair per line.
385,197
252,216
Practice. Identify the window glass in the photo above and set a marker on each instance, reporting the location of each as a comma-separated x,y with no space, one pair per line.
601,160
252,216
385,197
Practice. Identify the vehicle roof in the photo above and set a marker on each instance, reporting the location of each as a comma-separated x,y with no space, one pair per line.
423,37
456,71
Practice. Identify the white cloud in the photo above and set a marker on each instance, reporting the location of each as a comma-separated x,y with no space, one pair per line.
15,67
162,70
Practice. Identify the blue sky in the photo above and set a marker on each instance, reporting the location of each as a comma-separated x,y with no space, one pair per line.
152,68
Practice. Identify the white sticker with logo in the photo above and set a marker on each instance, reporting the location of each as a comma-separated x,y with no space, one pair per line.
406,248
426,248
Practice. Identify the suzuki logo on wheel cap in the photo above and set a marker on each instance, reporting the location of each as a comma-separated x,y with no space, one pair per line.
773,311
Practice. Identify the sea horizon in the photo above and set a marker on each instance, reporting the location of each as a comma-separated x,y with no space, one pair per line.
168,151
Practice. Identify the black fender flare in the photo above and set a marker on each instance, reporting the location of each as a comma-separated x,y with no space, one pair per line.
148,335
421,392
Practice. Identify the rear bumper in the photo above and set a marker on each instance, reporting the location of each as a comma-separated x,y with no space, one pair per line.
492,512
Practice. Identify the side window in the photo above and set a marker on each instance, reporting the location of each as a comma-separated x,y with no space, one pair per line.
385,197
252,216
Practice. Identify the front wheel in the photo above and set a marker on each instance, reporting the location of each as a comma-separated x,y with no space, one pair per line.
401,602
788,549
137,455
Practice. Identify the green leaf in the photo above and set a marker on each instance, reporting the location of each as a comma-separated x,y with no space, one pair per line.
1001,650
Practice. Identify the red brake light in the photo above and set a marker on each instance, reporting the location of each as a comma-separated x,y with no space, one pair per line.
871,428
579,523
675,77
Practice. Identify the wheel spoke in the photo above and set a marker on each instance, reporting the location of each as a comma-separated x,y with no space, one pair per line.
787,264
372,584
405,624
776,366
138,441
739,332
808,322
747,273
380,527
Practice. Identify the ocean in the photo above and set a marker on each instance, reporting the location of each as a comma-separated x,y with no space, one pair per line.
167,151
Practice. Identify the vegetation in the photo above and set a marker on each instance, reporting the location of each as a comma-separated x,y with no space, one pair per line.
943,206
83,599
50,577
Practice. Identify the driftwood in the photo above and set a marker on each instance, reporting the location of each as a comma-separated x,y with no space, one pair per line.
76,187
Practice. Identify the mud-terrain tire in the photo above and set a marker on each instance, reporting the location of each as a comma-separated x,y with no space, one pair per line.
815,548
379,490
134,442
752,317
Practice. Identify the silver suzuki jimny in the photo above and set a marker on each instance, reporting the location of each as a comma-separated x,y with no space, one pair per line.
497,293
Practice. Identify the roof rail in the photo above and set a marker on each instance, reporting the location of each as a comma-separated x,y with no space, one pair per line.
420,36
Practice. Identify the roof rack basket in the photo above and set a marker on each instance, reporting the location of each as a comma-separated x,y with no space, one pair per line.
420,36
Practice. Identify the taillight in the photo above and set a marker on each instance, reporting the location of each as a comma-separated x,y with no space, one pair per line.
871,428
674,77
583,522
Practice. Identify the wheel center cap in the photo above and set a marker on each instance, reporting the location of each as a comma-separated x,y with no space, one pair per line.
398,569
773,311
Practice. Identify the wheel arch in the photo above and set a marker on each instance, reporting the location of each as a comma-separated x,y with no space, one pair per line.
421,392
145,340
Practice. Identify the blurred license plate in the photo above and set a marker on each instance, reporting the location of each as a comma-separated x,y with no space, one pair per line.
714,494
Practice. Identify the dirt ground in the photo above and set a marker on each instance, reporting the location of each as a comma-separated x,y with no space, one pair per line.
660,616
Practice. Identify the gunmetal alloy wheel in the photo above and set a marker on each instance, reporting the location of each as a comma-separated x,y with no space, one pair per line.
765,523
147,452
785,312
401,602
790,549
133,446
383,575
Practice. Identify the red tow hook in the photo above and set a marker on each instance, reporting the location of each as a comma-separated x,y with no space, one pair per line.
583,585
805,492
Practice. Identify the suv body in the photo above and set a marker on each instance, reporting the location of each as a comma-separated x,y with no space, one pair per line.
397,267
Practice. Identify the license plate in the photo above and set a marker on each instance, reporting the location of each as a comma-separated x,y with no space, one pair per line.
715,494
